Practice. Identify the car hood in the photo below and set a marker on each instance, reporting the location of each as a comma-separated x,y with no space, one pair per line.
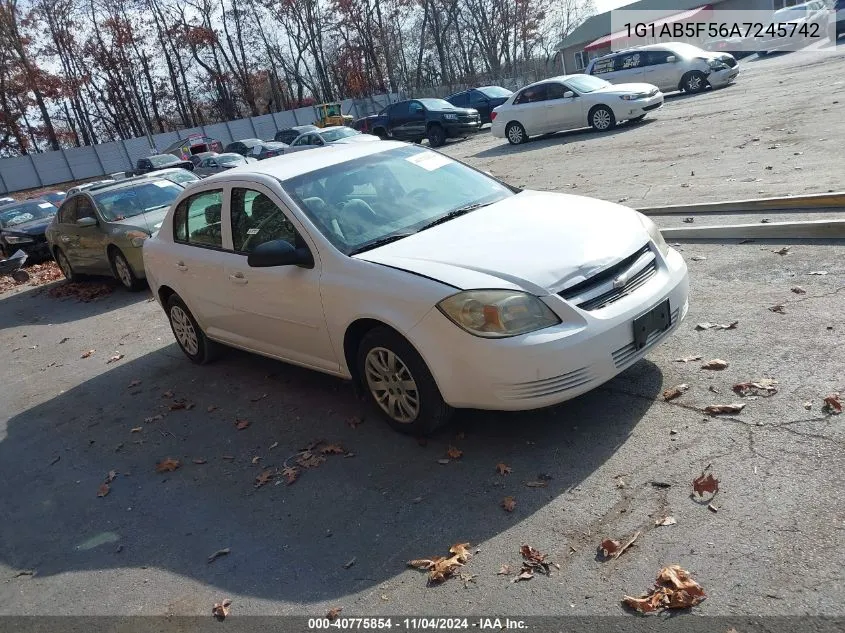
626,88
33,227
149,221
358,138
533,241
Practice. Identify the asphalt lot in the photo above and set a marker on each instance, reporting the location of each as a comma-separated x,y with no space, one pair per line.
340,536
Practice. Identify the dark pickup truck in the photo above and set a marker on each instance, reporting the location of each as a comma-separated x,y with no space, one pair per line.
416,119
157,162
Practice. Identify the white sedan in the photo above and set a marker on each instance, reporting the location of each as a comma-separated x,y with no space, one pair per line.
332,135
432,285
571,102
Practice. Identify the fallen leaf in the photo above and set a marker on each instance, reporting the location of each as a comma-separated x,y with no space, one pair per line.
241,424
264,477
114,359
348,564
290,474
154,418
524,574
334,613
503,469
307,459
440,568
272,446
461,551
64,340
687,359
832,404
782,251
534,561
508,503
168,465
717,364
719,409
178,405
103,490
609,547
453,453
675,392
717,326
199,461
218,554
673,589
763,387
779,309
256,459
467,578
798,290
221,609
332,449
111,476
133,383
88,353
537,484
705,483
136,429
669,520
504,570
167,394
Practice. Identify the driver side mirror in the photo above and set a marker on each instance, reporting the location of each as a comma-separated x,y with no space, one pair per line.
568,94
279,253
86,222
671,59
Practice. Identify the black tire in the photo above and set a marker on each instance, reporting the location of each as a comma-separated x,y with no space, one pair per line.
515,133
431,411
602,118
693,82
64,265
380,132
436,136
637,118
200,349
123,272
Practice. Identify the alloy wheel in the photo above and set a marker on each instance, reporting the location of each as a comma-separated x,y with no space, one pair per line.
392,385
184,330
64,264
123,272
601,119
694,83
515,134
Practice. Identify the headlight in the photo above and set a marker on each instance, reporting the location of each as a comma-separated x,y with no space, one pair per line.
450,116
634,97
137,238
15,239
497,313
717,64
655,234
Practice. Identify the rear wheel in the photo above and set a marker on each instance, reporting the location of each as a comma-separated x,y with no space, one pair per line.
123,271
436,136
516,133
193,341
602,118
380,133
399,384
64,264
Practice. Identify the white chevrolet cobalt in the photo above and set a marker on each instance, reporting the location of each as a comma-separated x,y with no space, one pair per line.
432,285
571,102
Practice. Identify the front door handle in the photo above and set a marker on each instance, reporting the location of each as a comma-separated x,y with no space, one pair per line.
65,239
181,266
238,278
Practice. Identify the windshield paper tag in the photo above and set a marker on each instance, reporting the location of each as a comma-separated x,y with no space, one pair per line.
45,205
252,232
162,183
429,160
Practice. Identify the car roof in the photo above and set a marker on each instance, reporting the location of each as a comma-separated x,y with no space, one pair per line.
298,163
329,127
126,183
548,79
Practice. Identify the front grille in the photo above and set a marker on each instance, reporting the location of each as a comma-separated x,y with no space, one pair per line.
546,386
606,276
628,354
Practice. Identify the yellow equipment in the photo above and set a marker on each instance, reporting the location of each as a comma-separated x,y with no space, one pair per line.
330,114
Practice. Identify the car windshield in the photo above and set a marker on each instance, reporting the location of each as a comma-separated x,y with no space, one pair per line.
126,202
181,176
330,136
362,202
586,83
436,104
231,159
161,161
495,92
686,50
26,212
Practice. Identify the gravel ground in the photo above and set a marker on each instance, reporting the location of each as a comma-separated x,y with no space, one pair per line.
341,535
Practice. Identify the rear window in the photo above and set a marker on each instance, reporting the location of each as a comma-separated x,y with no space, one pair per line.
495,92
127,202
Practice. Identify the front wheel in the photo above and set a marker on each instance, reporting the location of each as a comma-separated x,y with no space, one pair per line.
602,118
123,272
399,385
64,265
436,136
694,82
193,341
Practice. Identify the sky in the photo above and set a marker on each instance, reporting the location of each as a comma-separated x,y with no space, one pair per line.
608,5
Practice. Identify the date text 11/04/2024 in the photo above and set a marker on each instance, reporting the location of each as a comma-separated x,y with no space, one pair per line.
412,624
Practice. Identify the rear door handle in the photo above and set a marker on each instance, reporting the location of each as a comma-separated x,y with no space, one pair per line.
238,278
181,266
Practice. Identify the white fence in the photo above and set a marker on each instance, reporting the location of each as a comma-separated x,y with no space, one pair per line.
53,168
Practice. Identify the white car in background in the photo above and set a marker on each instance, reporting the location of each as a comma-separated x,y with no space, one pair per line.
672,66
431,284
570,102
332,135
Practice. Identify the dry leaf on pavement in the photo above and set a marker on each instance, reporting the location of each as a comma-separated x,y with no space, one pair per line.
114,359
782,251
717,364
719,409
524,574
218,554
333,614
88,353
798,290
221,609
264,477
763,387
453,453
687,359
609,547
103,490
503,469
168,465
779,309
167,394
290,474
241,424
504,570
332,449
832,404
178,405
673,589
440,568
508,503
670,520
675,392
533,561
111,476
307,459
705,483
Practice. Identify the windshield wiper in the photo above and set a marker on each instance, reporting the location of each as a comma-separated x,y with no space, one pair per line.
454,214
380,242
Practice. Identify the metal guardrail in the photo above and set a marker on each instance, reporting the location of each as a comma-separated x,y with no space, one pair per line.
812,202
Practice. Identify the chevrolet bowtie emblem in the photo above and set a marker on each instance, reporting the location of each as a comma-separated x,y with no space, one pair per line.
620,281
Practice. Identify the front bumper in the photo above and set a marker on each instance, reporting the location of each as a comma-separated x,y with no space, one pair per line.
552,365
37,250
458,128
640,107
719,78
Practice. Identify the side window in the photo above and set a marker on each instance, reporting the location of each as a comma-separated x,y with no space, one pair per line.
197,220
257,219
399,109
532,94
415,107
477,98
653,58
555,91
630,60
460,100
67,212
606,65
84,208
